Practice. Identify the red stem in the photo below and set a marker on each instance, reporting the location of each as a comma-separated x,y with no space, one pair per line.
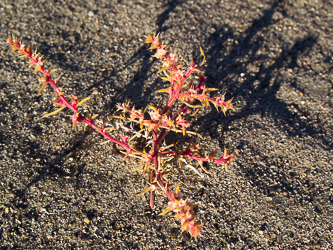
158,175
81,118
152,193
198,158
174,96
172,119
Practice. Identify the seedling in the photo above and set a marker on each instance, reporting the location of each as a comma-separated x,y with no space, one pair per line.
161,122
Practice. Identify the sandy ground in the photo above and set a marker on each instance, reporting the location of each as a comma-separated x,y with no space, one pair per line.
62,189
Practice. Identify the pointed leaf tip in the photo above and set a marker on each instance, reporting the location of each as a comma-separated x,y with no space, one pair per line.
41,89
52,71
82,101
204,59
54,112
144,191
167,210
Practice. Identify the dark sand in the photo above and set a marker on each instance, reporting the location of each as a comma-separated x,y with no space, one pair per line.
62,189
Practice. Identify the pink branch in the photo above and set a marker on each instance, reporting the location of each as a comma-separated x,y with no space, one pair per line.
38,64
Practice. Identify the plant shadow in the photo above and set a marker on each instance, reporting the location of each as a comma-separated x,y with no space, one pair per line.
259,90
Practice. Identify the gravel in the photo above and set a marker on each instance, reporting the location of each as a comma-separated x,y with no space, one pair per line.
61,188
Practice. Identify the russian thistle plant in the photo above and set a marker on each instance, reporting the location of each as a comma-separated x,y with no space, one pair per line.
161,121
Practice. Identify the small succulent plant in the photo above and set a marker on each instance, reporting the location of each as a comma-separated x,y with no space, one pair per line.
157,124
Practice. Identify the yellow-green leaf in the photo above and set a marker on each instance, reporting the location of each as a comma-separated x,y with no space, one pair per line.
82,101
109,128
41,89
163,91
192,106
204,59
152,107
165,78
138,168
144,191
54,112
212,89
167,210
52,71
161,70
170,123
